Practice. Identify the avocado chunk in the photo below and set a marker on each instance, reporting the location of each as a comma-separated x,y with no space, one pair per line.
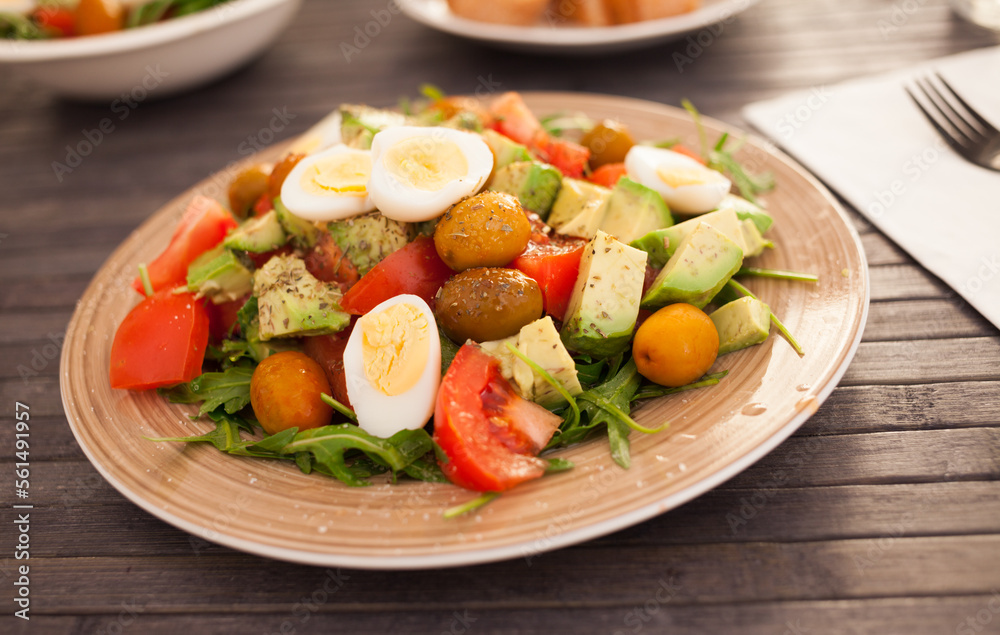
249,322
365,240
505,150
604,304
358,124
257,235
741,323
579,208
534,184
662,243
704,261
302,232
752,238
538,341
291,302
746,210
219,275
634,210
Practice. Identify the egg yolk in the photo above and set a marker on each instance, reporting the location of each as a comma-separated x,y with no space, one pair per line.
426,163
395,347
679,177
343,173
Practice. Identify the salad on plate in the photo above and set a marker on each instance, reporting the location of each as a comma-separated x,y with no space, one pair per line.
56,19
450,291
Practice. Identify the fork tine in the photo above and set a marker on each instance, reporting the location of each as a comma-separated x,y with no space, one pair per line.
987,126
947,135
948,112
961,127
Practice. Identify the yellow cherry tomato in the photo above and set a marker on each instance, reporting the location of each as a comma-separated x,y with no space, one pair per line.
676,345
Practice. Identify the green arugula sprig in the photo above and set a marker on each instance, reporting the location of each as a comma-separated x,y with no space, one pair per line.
719,158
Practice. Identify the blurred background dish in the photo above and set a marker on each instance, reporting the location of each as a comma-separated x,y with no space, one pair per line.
556,33
170,56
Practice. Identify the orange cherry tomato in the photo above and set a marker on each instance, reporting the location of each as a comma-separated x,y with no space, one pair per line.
285,393
99,16
676,345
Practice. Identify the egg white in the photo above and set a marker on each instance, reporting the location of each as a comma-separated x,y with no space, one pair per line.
383,415
643,163
329,205
405,201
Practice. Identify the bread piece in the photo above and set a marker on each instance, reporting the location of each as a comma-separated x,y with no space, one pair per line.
625,11
583,12
514,12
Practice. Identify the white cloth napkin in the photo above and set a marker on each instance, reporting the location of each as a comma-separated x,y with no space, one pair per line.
866,139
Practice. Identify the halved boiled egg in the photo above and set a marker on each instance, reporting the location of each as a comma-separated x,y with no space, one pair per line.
686,185
419,172
392,363
329,185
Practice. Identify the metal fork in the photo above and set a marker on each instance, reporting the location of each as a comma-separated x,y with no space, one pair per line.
968,134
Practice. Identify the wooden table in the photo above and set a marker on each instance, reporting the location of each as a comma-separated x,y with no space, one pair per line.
892,525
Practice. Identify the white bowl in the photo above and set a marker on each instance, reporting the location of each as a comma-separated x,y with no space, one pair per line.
155,60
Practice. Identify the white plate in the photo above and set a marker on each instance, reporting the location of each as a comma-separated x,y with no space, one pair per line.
552,37
155,60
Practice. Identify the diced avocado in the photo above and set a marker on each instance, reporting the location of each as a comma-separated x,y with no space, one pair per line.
741,323
505,150
578,200
464,120
704,261
291,302
366,240
755,243
218,274
358,124
534,184
250,332
538,341
634,210
258,235
745,209
604,304
301,231
662,243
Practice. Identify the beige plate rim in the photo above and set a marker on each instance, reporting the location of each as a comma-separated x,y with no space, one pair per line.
79,406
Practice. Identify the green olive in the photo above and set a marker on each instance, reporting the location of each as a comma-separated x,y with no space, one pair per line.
609,142
486,230
487,304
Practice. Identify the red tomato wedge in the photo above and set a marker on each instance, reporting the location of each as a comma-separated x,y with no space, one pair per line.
203,226
222,317
488,432
328,352
554,265
608,174
416,269
57,20
160,342
571,158
688,152
514,119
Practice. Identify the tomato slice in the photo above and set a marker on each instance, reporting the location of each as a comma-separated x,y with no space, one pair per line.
416,269
571,158
57,20
488,432
328,352
203,226
160,342
513,119
688,152
554,265
328,263
222,317
608,174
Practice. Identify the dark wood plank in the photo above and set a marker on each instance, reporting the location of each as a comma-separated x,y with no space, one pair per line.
925,361
924,319
757,571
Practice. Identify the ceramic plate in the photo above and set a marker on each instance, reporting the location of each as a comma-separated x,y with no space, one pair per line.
272,509
553,35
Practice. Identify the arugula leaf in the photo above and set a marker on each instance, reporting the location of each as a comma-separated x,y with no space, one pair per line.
229,389
225,437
